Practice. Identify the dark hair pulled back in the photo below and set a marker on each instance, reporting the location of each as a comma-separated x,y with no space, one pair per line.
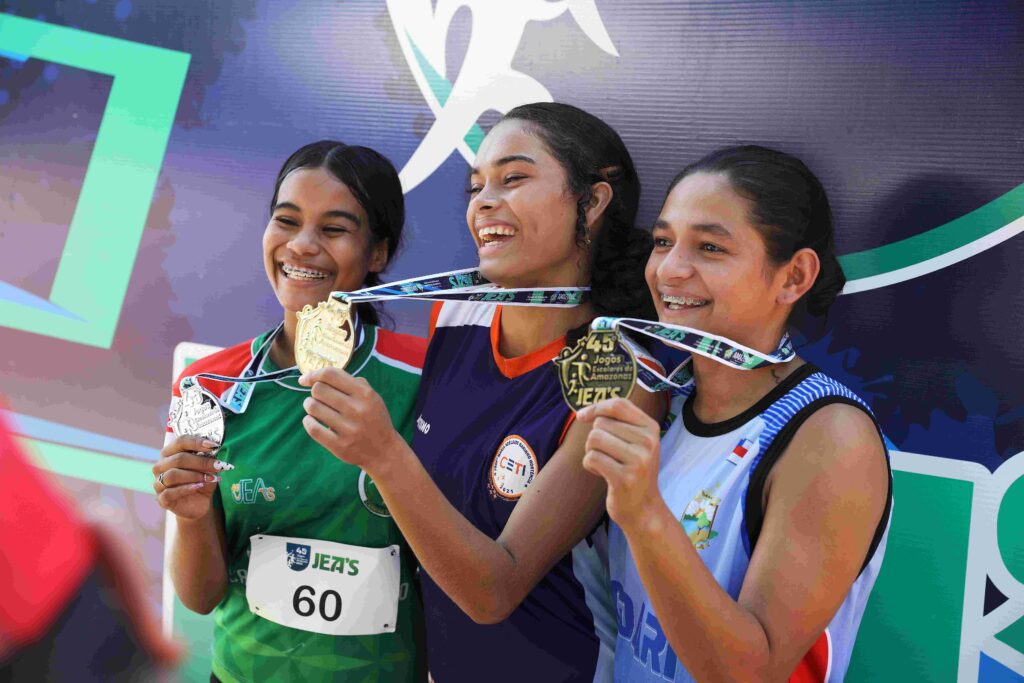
373,181
790,210
590,151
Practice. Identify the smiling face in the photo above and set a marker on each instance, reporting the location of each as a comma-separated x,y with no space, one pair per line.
318,240
709,268
521,215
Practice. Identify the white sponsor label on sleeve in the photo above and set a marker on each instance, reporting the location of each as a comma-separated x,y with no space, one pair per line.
323,587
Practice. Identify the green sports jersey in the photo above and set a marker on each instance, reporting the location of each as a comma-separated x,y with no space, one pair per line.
285,484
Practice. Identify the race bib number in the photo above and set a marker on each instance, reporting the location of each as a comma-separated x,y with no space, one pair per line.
330,588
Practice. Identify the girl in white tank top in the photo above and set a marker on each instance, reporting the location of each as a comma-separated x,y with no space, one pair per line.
746,540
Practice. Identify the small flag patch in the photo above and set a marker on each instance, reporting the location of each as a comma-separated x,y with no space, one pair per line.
740,451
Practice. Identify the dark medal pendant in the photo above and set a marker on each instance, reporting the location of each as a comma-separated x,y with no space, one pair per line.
597,368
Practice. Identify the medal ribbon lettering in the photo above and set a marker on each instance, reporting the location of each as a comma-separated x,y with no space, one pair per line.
467,285
328,346
693,341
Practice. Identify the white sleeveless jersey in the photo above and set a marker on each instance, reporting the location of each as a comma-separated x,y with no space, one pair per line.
712,477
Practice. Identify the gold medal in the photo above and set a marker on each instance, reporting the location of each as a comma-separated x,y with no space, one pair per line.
596,369
325,336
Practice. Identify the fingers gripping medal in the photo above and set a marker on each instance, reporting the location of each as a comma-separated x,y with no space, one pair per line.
325,336
599,367
198,413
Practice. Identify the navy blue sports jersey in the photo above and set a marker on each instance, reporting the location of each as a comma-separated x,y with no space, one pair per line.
486,426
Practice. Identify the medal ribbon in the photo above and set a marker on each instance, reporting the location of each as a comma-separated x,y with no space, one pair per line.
692,340
456,285
467,285
237,398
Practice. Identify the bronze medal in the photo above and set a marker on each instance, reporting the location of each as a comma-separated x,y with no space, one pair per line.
596,369
197,413
325,336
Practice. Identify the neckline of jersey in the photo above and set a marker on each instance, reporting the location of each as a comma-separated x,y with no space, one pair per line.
697,427
520,365
356,363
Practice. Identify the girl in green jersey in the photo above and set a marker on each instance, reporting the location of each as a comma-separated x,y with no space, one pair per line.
292,550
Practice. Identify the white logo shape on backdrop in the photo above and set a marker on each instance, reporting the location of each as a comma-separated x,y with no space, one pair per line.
486,80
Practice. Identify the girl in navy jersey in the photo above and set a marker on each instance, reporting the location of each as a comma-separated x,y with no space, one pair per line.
494,501
746,542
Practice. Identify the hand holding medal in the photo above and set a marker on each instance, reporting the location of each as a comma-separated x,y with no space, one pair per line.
624,447
186,476
343,413
326,335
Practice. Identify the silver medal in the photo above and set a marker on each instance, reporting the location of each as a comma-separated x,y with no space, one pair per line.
198,413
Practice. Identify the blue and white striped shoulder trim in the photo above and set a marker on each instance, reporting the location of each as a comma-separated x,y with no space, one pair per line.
813,388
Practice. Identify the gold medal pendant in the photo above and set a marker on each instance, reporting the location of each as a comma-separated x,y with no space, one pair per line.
596,369
325,336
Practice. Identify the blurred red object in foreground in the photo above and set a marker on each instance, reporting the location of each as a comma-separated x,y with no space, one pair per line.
72,608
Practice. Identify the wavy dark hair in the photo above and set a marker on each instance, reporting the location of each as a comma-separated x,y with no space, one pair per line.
590,151
373,181
790,210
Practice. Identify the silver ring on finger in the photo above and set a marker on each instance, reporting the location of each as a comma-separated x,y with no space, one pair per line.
161,480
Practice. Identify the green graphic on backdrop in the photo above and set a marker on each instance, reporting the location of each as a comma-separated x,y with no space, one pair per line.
96,263
924,573
938,248
1011,548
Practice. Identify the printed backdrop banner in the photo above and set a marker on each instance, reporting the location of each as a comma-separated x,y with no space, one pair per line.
140,139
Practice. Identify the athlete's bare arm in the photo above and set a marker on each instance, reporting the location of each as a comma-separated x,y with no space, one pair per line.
823,502
487,578
198,552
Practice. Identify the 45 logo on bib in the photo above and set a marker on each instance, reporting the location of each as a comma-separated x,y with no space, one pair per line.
513,468
297,557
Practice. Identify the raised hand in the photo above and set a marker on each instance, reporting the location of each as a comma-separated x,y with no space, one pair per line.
186,478
623,448
348,418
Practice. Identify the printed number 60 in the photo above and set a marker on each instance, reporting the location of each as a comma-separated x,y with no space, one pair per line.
304,605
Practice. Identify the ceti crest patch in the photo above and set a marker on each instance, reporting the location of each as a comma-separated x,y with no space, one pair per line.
513,468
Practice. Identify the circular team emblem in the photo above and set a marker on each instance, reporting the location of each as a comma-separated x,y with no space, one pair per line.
513,468
372,500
